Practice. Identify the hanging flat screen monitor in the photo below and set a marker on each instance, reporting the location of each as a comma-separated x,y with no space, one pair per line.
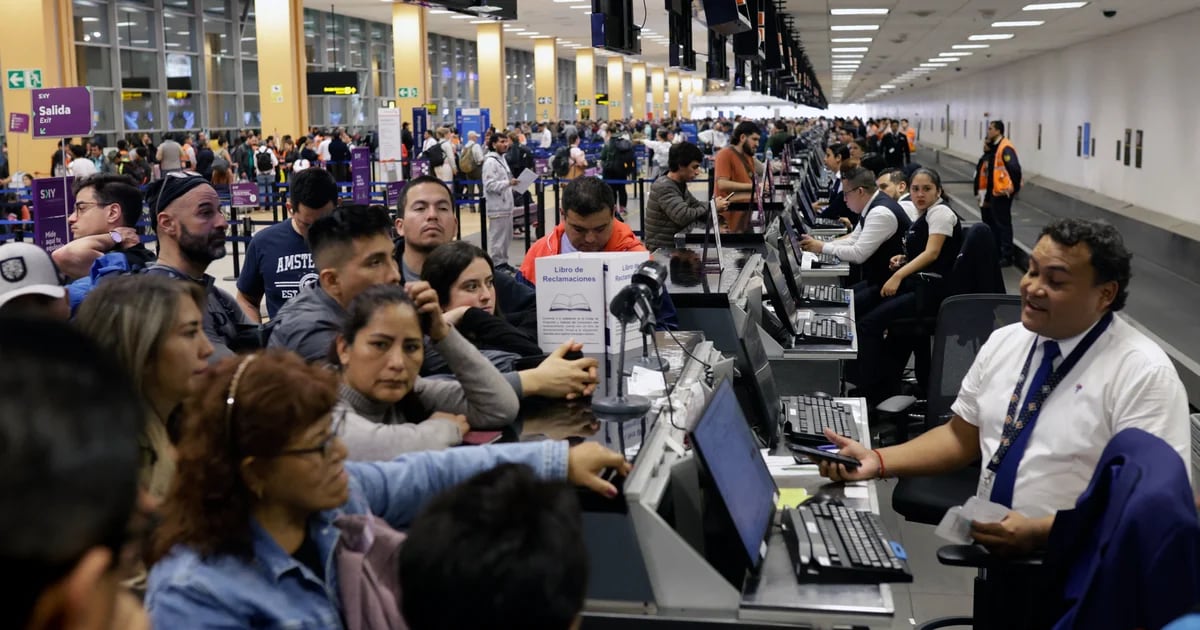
722,17
332,83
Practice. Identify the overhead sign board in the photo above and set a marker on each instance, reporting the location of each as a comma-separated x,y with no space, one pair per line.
62,112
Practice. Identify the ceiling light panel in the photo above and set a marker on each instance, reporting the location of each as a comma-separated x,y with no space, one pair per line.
1052,6
855,27
969,46
855,11
849,50
852,40
1018,23
988,38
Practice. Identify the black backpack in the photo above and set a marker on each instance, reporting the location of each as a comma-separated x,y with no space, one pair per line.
435,155
262,160
621,159
561,162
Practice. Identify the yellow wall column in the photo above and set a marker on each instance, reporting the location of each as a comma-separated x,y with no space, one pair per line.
492,79
697,86
658,92
638,106
616,88
685,97
585,82
283,87
410,49
30,39
673,110
545,77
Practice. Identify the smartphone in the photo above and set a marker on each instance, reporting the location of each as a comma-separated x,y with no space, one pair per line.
477,438
815,455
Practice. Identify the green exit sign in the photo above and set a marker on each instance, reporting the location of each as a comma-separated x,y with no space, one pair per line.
408,92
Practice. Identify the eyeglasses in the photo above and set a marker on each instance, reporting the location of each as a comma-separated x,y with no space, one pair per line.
846,193
82,206
325,448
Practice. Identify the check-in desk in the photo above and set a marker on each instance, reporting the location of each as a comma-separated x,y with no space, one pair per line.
649,555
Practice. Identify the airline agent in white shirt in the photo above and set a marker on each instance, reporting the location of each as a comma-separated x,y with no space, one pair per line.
1078,278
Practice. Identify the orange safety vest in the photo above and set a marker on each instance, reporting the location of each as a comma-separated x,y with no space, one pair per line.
1004,183
912,139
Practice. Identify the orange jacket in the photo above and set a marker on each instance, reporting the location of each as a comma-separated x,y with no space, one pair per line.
1004,183
622,240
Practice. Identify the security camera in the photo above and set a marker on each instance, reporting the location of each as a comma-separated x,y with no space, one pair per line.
1109,13
958,68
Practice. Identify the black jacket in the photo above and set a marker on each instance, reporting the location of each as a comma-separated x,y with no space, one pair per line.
894,148
876,270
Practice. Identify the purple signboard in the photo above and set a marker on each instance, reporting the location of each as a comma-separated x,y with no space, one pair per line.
393,193
62,112
541,165
360,175
243,195
421,167
53,199
18,123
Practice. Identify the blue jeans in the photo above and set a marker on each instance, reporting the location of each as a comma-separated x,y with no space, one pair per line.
265,181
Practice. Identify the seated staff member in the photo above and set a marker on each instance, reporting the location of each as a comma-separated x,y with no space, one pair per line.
669,206
1091,375
462,274
837,158
190,226
461,543
424,221
151,326
388,408
264,554
68,480
916,287
894,183
873,243
736,172
278,260
352,248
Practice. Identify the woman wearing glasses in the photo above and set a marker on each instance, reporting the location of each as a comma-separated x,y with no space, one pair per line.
248,534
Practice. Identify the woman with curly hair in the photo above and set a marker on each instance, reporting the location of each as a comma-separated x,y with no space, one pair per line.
248,533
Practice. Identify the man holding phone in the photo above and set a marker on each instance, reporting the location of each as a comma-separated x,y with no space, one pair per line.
670,207
736,172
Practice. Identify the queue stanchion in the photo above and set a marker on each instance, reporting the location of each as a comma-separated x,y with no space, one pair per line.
233,233
640,185
528,225
457,218
541,198
557,206
483,240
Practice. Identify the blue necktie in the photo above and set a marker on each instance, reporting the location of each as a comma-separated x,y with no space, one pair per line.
1018,435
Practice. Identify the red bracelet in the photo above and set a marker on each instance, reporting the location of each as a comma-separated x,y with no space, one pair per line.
882,468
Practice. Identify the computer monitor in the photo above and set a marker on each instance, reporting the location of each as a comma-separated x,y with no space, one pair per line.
730,454
777,289
764,396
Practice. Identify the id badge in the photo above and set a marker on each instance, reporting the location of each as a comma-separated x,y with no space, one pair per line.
986,479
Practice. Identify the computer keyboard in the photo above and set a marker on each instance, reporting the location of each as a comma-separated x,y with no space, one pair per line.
824,330
823,295
832,543
827,224
805,419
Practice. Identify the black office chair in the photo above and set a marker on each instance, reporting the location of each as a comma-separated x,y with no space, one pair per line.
964,323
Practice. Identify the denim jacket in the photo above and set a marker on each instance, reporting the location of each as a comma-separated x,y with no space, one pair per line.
277,591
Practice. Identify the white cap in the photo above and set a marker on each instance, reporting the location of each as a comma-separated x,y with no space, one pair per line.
26,269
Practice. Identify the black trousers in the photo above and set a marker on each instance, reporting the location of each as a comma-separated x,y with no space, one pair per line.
997,214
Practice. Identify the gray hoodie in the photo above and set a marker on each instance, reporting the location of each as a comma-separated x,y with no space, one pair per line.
308,324
379,431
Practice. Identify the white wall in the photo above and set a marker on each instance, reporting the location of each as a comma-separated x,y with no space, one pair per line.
1143,78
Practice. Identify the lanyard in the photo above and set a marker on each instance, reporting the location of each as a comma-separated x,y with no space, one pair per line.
1035,400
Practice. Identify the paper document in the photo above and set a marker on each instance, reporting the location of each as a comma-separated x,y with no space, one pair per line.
807,260
956,524
791,497
524,180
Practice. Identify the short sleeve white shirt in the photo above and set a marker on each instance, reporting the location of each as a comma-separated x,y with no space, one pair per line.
941,220
1124,381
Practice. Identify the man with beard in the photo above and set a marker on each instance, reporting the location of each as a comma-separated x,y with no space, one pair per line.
191,234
